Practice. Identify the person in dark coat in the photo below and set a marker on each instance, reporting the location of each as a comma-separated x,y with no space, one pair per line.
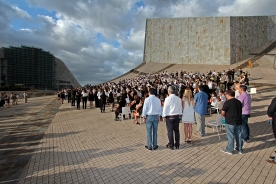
111,100
103,101
271,112
96,98
73,97
91,98
62,96
78,99
122,103
69,96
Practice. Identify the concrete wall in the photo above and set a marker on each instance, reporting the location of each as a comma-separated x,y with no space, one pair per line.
271,27
188,40
206,40
249,34
64,77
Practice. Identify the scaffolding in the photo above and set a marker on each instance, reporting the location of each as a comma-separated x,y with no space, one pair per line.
30,66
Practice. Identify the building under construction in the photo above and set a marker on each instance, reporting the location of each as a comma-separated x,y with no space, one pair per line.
31,67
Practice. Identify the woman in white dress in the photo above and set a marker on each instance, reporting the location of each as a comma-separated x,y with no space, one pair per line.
188,114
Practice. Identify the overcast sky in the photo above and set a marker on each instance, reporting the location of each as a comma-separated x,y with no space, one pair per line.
101,39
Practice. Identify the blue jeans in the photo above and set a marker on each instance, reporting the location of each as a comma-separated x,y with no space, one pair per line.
152,127
245,127
172,123
234,131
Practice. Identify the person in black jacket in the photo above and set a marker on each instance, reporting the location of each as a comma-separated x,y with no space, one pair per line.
122,103
69,95
78,99
103,101
111,100
73,96
271,112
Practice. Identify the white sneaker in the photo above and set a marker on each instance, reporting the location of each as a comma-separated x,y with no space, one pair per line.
238,151
225,151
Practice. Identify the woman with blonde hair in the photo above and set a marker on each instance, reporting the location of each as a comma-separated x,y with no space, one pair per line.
188,114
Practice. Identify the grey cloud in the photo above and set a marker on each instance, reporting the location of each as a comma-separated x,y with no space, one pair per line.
247,8
71,35
21,13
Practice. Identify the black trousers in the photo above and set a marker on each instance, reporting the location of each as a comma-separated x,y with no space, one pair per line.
84,102
172,124
97,102
73,101
274,127
102,106
78,104
69,99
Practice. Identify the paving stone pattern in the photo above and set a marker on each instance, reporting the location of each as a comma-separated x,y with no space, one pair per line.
86,146
21,132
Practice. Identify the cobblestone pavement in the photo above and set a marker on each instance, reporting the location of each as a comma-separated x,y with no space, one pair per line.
86,146
22,128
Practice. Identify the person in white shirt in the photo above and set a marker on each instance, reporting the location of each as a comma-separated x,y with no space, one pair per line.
237,89
222,96
25,97
210,85
118,94
171,111
84,98
214,72
213,99
223,81
151,115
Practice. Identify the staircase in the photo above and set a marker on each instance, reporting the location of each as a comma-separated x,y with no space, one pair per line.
257,54
264,49
165,68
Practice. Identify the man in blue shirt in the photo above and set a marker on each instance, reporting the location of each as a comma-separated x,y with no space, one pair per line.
201,102
151,116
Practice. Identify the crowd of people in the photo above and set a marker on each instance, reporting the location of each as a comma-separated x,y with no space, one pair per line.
6,100
132,92
183,97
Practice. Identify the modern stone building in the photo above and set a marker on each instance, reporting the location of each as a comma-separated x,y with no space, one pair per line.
31,67
206,40
64,77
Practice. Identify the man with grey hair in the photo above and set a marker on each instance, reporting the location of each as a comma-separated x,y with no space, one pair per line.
171,112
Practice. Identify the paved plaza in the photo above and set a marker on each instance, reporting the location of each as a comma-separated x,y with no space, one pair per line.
46,142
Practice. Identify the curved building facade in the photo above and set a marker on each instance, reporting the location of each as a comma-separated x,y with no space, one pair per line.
35,68
64,77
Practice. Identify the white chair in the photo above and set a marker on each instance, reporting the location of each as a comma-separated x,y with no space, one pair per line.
216,123
127,102
213,107
253,91
125,111
218,106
